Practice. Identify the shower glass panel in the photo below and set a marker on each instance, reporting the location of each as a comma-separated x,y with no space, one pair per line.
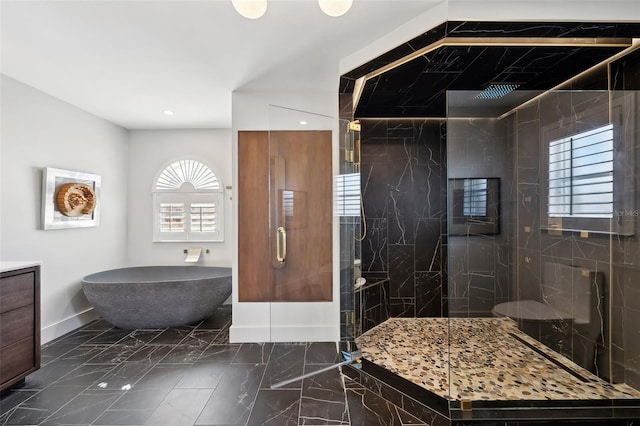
308,199
543,251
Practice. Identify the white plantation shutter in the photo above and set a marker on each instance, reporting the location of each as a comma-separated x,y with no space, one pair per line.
191,212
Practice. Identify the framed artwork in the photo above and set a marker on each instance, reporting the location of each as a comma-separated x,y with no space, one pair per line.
70,199
474,206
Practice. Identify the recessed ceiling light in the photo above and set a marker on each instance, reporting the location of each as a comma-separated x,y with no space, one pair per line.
303,123
167,112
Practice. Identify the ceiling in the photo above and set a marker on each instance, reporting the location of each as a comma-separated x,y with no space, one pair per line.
127,61
412,80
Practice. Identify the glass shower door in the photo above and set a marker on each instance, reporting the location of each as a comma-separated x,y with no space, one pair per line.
303,233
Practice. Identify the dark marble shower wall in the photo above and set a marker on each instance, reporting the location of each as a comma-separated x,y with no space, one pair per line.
403,170
480,265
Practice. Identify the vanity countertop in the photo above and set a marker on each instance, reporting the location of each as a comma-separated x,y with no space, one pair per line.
12,265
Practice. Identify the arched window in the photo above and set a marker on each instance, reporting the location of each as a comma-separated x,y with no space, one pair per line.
188,203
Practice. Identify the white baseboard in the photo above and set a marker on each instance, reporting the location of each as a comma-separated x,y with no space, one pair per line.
60,328
258,334
307,333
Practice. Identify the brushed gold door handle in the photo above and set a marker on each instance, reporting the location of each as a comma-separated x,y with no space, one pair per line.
281,244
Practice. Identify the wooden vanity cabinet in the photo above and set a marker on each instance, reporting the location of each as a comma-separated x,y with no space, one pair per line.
19,324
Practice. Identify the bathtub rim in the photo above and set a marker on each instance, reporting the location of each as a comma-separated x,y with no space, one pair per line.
222,272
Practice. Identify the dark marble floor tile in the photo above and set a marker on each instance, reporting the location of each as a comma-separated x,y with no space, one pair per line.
180,407
205,336
109,337
222,338
141,398
323,398
233,398
84,408
81,354
286,362
84,375
123,377
40,406
49,374
253,353
187,352
172,336
99,324
14,397
322,353
220,353
139,338
162,376
150,353
219,320
277,407
53,350
81,336
202,374
113,354
123,417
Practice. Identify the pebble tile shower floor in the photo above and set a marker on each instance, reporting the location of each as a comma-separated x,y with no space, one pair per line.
101,375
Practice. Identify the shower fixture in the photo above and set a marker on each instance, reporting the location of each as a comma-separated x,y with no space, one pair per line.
254,9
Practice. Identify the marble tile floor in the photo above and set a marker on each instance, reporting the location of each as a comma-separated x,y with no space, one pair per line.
481,359
100,375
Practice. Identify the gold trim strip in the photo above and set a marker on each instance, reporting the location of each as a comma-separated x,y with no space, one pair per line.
635,45
503,41
488,42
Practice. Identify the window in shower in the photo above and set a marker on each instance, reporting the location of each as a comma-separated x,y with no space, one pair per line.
474,206
188,200
581,175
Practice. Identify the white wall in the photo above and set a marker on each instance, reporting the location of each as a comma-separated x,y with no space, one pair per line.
288,322
39,131
150,151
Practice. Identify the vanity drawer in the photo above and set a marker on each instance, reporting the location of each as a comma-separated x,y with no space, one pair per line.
16,291
17,359
19,323
16,325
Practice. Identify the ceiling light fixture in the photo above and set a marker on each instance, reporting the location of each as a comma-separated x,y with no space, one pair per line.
497,90
167,112
254,9
250,9
335,7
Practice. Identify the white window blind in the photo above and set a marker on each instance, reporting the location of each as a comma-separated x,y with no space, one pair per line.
581,175
475,197
347,193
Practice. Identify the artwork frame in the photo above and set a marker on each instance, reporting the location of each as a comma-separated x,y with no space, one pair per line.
81,212
470,222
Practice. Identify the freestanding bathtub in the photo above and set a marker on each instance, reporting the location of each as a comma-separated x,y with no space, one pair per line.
157,296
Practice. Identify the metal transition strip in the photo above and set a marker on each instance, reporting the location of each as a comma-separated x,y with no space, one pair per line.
351,358
554,361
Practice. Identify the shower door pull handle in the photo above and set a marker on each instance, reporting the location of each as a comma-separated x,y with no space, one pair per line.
281,244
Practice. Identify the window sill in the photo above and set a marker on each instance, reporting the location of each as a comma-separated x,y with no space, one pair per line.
550,229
